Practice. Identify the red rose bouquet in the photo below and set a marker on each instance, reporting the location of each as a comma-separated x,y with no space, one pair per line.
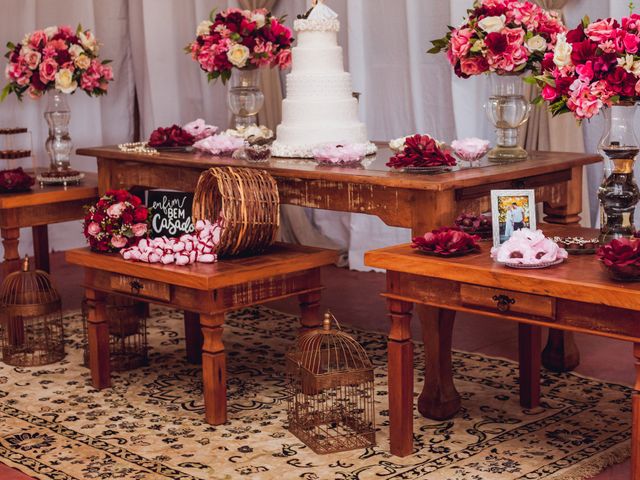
56,57
622,258
500,36
421,151
173,136
117,221
15,180
592,66
242,39
447,242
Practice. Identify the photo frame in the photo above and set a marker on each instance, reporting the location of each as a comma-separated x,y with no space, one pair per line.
512,210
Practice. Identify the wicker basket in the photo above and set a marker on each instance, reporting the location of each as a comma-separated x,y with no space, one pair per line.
247,201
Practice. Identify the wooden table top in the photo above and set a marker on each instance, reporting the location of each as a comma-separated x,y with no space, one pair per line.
581,278
375,171
50,194
280,259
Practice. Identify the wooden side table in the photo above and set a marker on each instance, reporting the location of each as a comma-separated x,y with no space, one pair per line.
37,209
207,292
577,296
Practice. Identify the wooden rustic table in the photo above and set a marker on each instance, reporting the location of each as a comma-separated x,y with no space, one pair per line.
37,209
576,296
418,202
206,292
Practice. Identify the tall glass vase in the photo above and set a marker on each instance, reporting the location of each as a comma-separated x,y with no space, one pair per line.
508,110
245,98
619,192
58,144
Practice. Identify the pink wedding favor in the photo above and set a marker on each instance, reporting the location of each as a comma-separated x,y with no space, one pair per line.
529,248
221,144
470,149
340,155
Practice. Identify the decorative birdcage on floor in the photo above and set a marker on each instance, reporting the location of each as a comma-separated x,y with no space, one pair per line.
31,331
127,320
331,401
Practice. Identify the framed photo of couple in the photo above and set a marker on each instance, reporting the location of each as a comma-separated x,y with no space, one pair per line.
511,210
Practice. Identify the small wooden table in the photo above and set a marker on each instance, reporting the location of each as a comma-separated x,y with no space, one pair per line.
576,296
206,292
37,209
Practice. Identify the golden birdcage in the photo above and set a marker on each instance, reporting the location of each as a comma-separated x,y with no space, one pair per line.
31,331
127,320
331,398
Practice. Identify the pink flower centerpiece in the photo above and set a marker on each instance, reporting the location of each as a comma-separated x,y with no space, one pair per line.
348,155
447,242
244,39
222,144
500,36
56,58
621,257
470,149
422,151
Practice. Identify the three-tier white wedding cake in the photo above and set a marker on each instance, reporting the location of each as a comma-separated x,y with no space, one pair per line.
320,107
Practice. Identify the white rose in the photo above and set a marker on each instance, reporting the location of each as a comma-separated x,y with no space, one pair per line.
537,44
75,50
259,18
50,31
88,41
65,82
238,55
562,52
492,24
203,28
397,144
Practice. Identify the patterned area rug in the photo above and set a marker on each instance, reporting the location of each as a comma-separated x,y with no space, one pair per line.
53,425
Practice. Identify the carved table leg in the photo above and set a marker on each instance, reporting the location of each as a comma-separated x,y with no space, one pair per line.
310,317
41,247
193,337
400,378
635,436
561,353
98,336
439,399
10,240
214,369
530,337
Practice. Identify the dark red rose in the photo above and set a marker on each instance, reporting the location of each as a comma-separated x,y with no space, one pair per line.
617,80
127,218
583,51
547,62
458,71
98,217
15,180
577,34
173,136
63,56
140,214
605,64
135,200
421,151
446,242
496,43
121,195
37,83
221,62
563,84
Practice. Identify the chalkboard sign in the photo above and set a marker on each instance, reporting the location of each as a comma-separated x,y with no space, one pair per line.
170,213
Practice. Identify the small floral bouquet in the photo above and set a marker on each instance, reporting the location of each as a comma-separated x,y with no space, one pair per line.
117,221
56,58
470,149
242,39
447,242
15,180
621,257
475,224
593,66
422,151
340,155
222,144
171,137
500,36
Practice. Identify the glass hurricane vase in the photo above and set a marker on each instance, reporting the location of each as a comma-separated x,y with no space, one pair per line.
58,145
508,110
245,99
619,192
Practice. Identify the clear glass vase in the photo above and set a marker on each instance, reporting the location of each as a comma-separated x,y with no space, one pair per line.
619,192
58,144
508,110
245,99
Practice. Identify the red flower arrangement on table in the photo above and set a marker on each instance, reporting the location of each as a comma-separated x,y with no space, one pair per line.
15,180
56,58
595,65
242,39
500,36
447,242
171,137
622,258
119,220
422,151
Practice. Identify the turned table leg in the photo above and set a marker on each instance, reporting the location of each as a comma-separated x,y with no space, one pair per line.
98,336
214,369
41,247
400,378
635,436
310,317
10,241
193,337
529,339
439,399
561,353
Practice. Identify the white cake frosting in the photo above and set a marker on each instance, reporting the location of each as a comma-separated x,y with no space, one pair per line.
319,107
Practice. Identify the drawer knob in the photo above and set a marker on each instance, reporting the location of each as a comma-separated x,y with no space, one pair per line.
136,287
503,302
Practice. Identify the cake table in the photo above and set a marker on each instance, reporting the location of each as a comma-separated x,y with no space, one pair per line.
418,202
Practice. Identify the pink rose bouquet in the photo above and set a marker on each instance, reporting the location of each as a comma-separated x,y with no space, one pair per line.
593,66
500,36
117,221
56,58
242,39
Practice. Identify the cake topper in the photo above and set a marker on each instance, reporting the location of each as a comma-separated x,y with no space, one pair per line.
321,12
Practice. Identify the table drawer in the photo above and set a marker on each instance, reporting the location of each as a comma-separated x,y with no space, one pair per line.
507,301
141,287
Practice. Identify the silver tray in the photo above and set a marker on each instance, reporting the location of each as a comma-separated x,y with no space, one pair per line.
537,266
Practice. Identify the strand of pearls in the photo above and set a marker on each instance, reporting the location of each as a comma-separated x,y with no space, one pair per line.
137,147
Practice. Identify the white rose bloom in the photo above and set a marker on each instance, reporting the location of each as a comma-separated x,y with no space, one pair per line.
88,41
260,19
562,53
203,28
65,82
238,55
75,51
537,44
50,31
492,24
25,40
397,144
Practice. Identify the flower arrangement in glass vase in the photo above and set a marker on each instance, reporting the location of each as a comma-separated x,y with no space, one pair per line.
59,60
422,154
232,45
504,38
119,220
